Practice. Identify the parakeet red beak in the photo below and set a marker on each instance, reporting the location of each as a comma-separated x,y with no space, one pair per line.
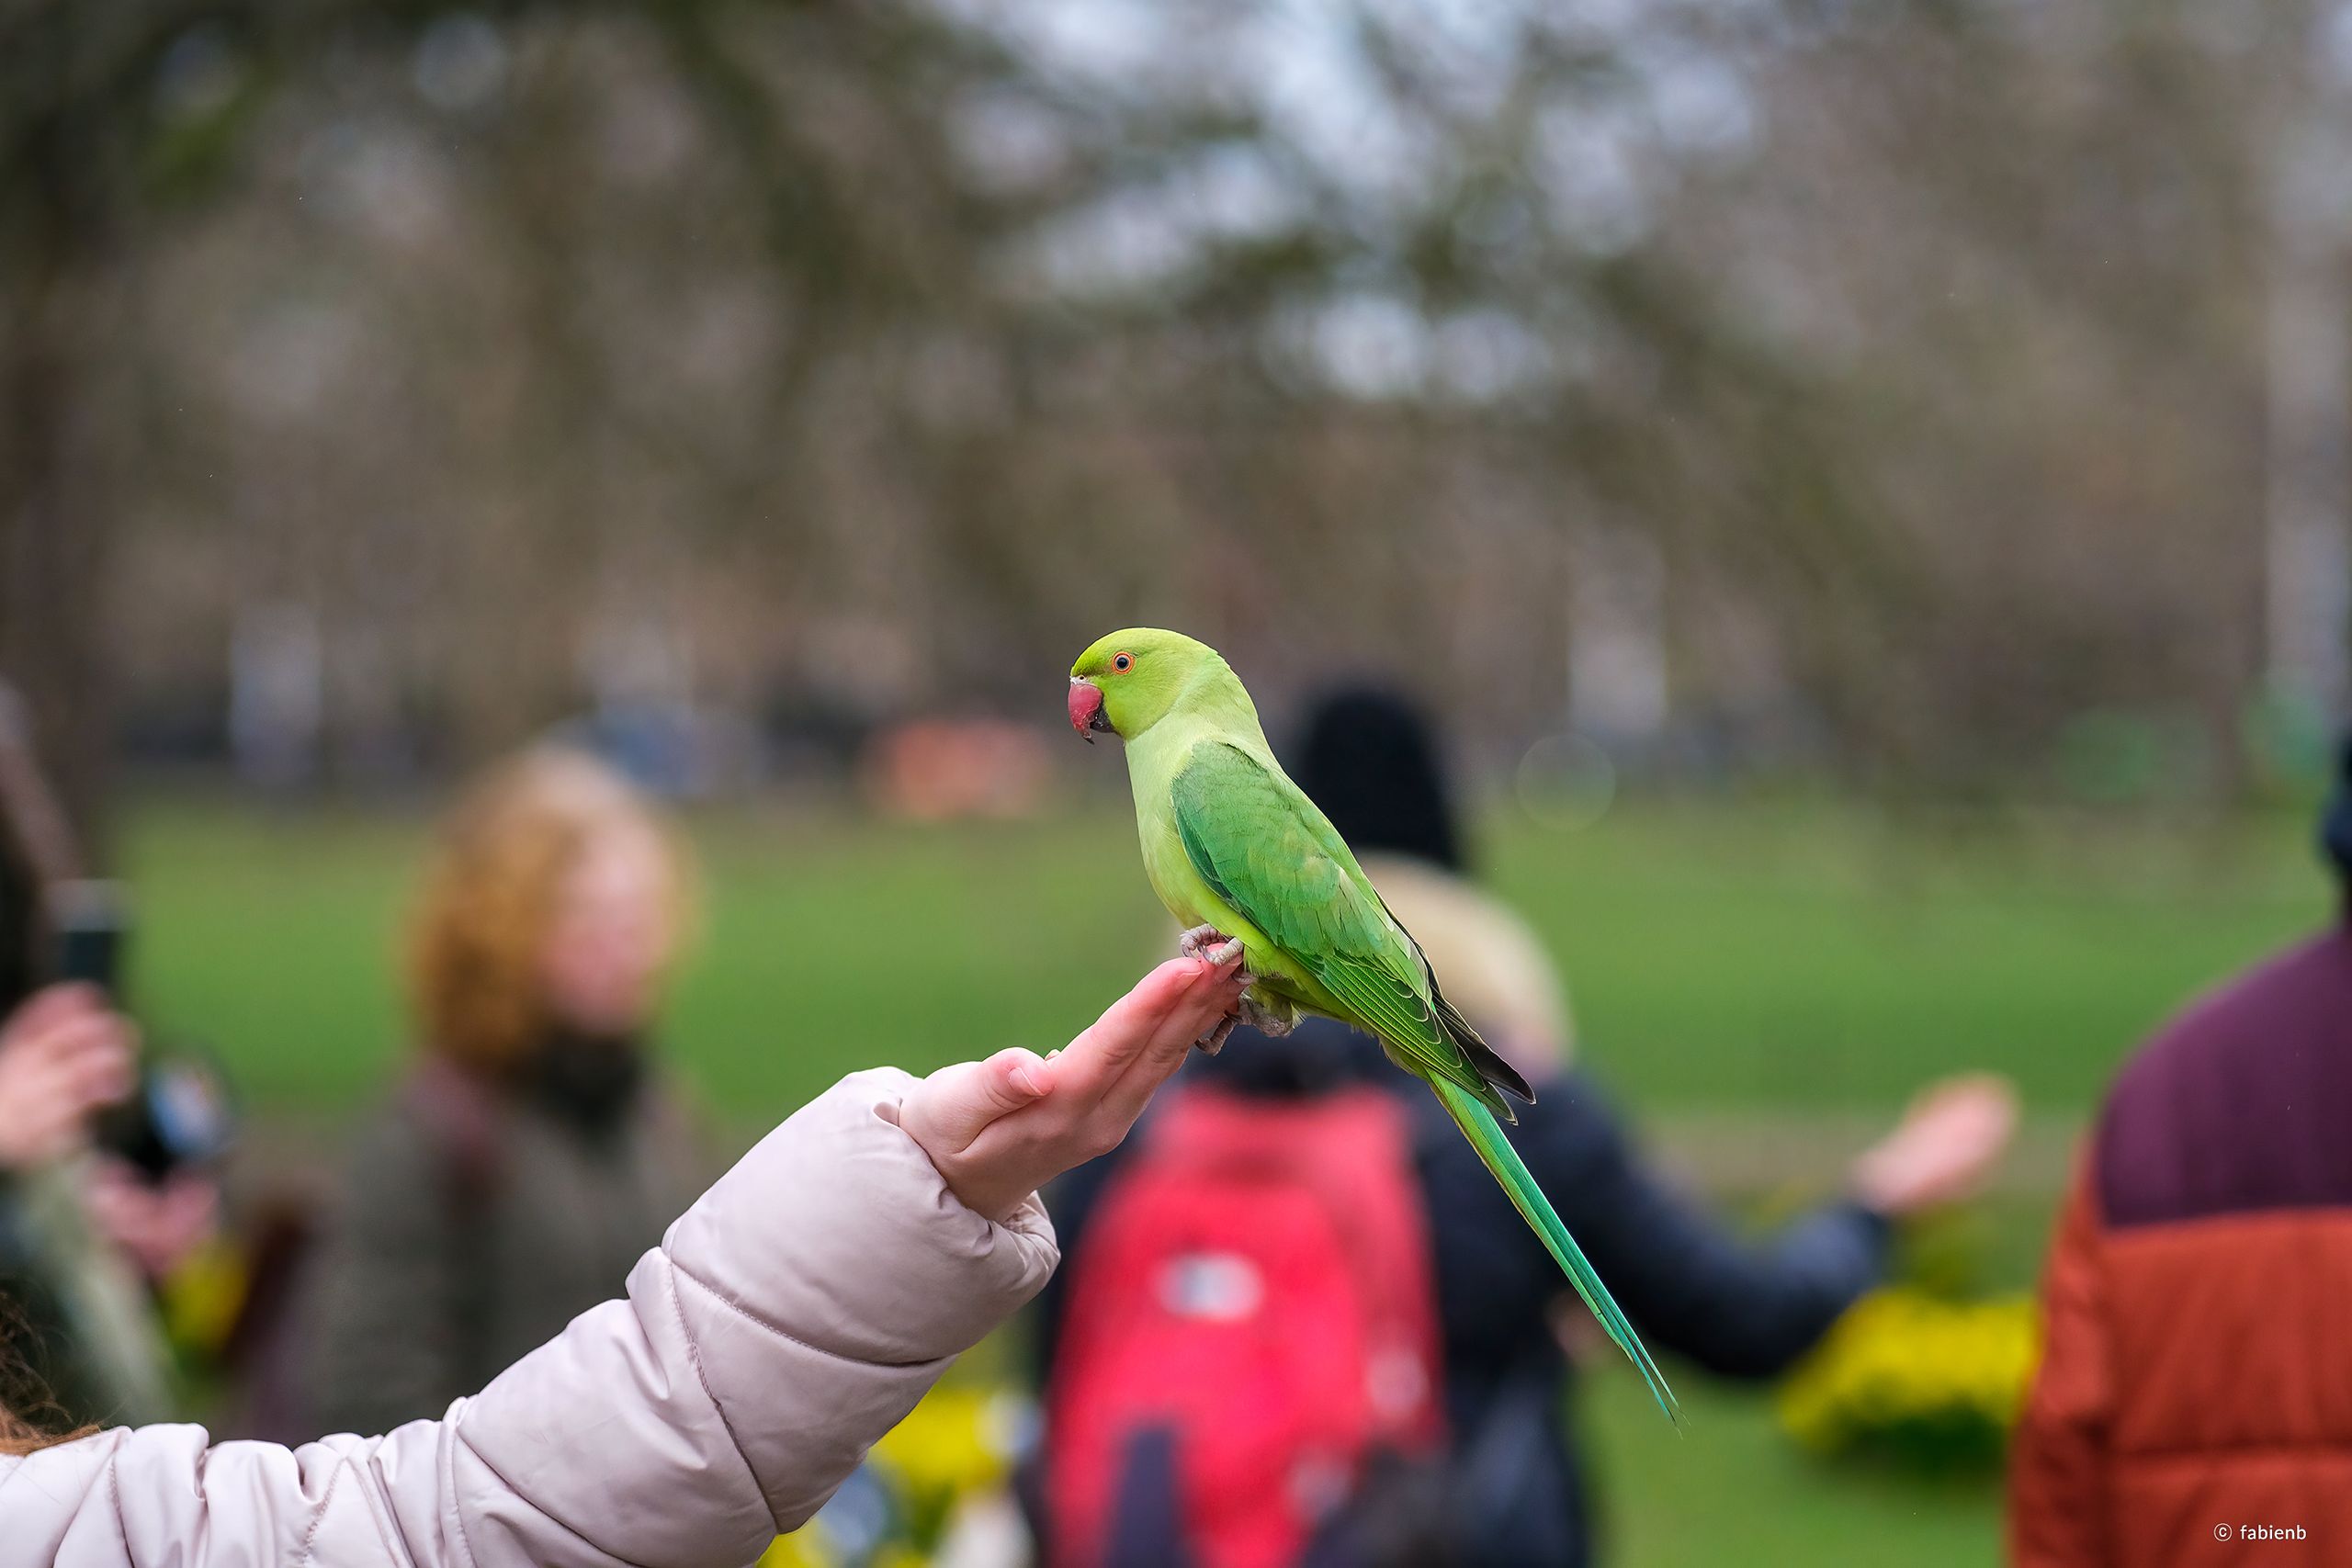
1086,710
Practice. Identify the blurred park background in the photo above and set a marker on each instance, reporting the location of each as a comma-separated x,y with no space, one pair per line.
1867,490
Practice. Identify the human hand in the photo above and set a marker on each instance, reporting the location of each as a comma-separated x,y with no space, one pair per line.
1943,1148
1000,1129
63,1054
156,1223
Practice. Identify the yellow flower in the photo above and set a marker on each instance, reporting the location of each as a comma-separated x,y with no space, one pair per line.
202,1297
953,1442
801,1549
1941,1382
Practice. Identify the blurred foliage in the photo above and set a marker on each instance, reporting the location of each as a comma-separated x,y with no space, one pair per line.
956,1450
200,1299
1919,1381
867,359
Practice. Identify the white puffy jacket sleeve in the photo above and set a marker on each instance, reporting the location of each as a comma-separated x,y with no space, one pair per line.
791,1318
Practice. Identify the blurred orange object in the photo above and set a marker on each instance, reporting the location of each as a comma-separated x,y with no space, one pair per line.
941,770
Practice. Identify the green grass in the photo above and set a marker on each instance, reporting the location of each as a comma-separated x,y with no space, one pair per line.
1813,958
1731,1488
1764,959
1786,957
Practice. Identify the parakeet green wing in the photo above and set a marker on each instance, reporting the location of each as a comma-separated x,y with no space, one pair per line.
1270,852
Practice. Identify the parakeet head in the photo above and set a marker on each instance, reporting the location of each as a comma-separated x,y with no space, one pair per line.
1130,680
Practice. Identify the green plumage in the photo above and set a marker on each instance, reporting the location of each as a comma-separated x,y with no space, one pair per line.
1230,841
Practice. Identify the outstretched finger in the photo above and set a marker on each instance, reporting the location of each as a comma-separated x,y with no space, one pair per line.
1109,1046
1172,1043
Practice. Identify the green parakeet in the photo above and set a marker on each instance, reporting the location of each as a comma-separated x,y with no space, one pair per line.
1238,853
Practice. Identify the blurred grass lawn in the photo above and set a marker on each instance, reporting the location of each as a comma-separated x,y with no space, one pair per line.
1777,958
1733,1488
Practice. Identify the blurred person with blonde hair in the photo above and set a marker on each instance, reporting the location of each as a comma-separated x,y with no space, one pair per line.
530,1155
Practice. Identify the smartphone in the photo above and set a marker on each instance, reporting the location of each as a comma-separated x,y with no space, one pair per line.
92,922
179,1112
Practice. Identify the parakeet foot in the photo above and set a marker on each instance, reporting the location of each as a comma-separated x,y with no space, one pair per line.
1266,1021
1207,941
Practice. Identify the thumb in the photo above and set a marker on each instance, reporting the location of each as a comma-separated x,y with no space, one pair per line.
1011,1079
962,1099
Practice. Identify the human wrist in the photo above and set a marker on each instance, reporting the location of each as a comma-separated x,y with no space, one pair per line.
1871,1186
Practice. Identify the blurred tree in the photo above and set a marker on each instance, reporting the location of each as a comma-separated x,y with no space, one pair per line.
859,356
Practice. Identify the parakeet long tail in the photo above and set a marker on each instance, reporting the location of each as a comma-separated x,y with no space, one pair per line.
1478,1125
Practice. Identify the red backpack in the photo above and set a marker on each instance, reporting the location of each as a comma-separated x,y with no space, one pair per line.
1251,1324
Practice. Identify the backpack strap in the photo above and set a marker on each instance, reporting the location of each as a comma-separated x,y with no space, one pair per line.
457,1111
461,1119
1146,1517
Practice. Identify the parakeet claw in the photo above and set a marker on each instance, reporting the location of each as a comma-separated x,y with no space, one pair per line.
1214,1040
1265,1020
1207,941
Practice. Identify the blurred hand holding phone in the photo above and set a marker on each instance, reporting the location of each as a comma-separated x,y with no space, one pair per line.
179,1115
63,1056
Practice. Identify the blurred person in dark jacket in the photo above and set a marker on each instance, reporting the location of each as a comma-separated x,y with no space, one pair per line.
2196,1382
531,1155
1739,1308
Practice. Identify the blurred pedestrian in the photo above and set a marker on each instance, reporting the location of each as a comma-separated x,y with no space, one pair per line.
2196,1381
532,1152
1163,1260
791,1318
74,1302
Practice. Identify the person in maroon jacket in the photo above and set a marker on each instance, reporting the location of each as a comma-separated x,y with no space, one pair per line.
2194,1404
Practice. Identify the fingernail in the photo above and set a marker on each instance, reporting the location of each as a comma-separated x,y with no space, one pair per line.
1026,1079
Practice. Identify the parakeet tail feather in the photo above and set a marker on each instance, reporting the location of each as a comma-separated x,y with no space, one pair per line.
1478,1125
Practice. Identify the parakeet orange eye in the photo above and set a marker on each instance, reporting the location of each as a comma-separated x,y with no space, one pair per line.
1123,660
